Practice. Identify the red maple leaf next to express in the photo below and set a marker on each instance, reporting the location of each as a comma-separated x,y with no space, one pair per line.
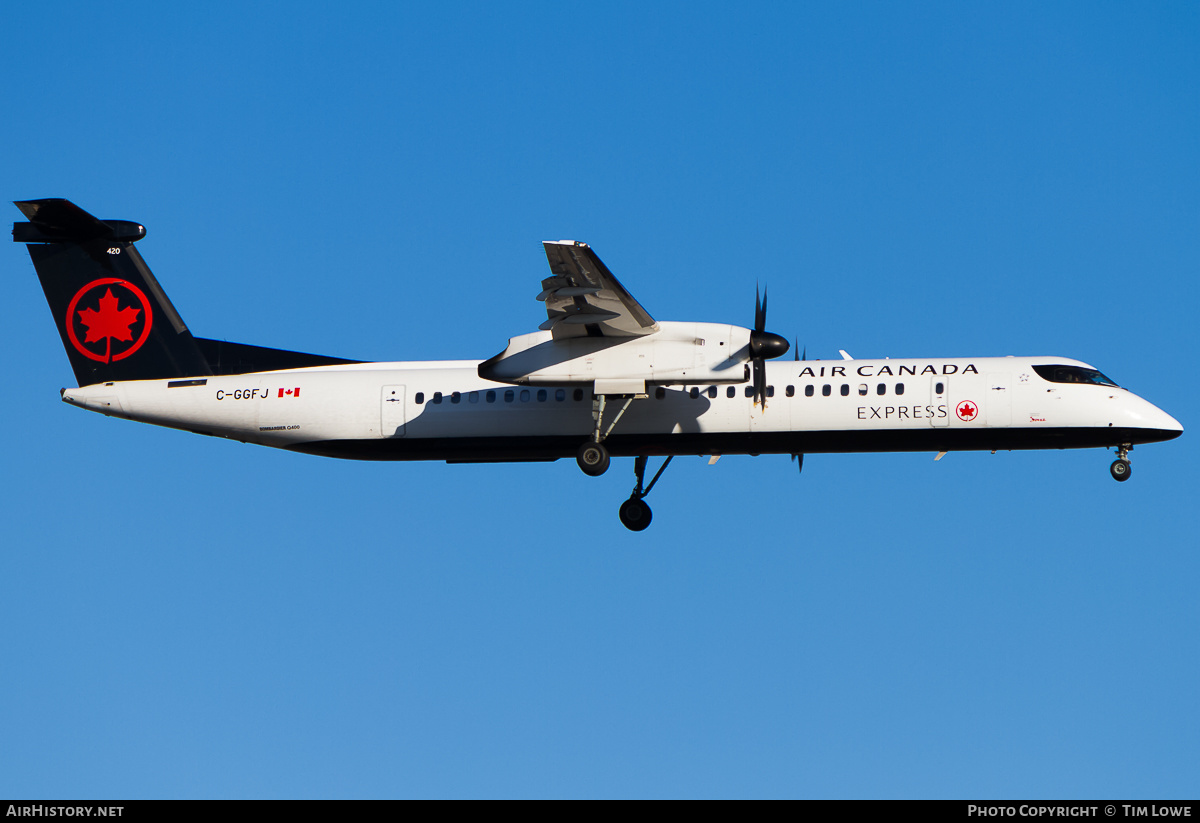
108,322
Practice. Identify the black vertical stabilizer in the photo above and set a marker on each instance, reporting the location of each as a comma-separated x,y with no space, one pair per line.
115,320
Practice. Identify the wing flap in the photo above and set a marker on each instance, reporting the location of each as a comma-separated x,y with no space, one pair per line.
583,298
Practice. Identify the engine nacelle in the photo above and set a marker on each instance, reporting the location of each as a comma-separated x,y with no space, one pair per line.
677,353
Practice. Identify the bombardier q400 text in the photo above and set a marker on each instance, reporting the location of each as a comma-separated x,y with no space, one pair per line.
601,377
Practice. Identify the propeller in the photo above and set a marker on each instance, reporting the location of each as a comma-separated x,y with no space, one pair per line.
763,346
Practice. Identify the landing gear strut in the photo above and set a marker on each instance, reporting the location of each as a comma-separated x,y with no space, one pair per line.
1120,469
634,513
592,457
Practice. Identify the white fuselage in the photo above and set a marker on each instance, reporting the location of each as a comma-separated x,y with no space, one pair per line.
444,410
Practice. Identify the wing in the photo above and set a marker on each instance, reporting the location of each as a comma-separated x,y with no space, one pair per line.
583,299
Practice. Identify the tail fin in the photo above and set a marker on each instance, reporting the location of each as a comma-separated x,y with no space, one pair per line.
115,320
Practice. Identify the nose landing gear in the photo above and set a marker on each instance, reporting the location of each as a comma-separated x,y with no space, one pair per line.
634,513
1121,470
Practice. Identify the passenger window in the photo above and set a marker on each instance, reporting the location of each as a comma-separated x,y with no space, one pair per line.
454,398
712,391
541,395
578,395
749,391
731,392
524,395
808,390
560,395
509,395
660,393
420,398
770,391
826,390
899,388
862,389
881,389
473,397
790,391
940,388
695,392
490,396
437,397
845,390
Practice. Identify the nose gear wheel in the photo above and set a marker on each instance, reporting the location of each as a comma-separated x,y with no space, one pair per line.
1121,470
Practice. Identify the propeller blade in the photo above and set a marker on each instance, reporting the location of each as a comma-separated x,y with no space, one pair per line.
763,345
760,383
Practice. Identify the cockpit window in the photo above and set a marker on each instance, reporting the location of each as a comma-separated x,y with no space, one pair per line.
1073,374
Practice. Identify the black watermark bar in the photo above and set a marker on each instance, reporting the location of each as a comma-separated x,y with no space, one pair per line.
1156,810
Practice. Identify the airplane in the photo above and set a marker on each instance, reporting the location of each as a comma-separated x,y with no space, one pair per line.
599,378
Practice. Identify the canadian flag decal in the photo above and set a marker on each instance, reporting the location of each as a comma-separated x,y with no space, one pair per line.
290,392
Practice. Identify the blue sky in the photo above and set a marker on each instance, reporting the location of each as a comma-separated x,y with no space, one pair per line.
188,617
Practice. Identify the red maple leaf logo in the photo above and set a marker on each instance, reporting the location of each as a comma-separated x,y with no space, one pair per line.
966,411
108,323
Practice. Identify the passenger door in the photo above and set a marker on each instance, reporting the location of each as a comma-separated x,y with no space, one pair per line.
391,411
999,400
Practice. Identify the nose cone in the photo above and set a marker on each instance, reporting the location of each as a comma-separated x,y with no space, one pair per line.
1167,424
1155,422
765,345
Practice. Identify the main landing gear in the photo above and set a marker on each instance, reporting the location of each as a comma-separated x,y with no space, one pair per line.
634,513
592,457
1120,469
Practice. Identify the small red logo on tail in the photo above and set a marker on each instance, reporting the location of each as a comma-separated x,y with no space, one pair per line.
112,309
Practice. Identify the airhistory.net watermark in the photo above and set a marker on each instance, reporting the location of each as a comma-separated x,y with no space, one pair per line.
1110,810
41,810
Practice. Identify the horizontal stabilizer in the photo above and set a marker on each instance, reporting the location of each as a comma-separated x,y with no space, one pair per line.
55,220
